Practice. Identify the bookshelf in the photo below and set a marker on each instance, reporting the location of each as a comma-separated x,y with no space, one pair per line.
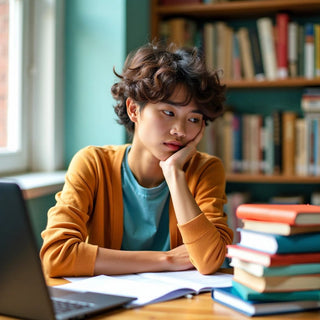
262,178
248,11
229,10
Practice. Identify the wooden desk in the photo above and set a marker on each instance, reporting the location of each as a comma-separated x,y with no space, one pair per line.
200,307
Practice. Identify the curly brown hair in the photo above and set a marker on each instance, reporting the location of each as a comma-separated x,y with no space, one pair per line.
153,72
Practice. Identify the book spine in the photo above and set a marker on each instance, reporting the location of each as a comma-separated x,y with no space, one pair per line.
293,49
317,49
236,58
282,21
266,38
246,142
301,166
237,144
209,44
301,43
316,146
228,53
182,32
177,31
269,143
245,53
221,32
288,142
256,54
309,51
228,142
277,139
310,145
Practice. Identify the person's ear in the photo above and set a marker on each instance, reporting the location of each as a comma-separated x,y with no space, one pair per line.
132,109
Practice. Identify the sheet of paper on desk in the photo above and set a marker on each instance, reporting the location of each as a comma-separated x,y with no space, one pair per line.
152,287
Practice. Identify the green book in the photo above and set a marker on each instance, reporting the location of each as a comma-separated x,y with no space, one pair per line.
262,271
250,294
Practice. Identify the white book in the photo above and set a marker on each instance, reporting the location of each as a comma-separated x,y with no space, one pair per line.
266,38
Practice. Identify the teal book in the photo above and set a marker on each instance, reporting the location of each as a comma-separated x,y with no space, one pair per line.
247,293
274,243
230,297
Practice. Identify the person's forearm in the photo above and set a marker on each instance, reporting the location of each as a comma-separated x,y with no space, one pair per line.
112,262
184,203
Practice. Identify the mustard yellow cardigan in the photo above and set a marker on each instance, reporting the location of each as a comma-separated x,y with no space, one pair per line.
89,214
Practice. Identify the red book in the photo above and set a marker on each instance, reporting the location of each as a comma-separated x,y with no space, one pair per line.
271,260
282,21
292,214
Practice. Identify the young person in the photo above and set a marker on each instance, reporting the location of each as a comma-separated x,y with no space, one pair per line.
155,204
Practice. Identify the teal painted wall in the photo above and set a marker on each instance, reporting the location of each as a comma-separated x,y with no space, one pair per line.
138,23
38,209
98,36
95,42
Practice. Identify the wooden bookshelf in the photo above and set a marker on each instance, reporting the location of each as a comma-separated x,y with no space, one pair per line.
237,10
262,178
229,10
286,83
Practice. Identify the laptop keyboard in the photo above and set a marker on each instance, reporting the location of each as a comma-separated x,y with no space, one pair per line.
63,305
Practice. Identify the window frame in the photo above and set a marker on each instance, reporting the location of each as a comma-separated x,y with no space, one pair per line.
15,156
40,79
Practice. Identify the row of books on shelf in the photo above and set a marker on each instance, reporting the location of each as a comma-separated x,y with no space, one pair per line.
280,143
276,262
267,50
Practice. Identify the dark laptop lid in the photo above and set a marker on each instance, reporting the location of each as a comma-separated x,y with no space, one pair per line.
24,292
23,289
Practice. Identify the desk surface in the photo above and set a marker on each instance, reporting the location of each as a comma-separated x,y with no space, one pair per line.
200,307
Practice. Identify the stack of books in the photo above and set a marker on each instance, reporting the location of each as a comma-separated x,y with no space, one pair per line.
276,262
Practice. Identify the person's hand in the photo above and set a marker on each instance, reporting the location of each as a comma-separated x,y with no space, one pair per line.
179,158
178,259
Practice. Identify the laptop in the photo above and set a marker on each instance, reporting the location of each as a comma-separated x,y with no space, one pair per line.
24,293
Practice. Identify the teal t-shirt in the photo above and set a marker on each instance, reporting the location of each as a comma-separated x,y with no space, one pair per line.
145,213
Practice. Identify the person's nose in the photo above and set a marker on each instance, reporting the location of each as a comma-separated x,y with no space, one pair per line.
178,129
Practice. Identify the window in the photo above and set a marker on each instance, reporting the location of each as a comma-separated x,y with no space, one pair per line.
4,52
31,85
12,152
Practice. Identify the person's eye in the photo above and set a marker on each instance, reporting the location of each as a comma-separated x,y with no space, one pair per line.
168,113
194,120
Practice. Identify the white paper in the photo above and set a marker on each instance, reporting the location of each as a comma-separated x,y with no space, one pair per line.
151,287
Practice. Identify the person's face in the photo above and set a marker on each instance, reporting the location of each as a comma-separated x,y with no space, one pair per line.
164,128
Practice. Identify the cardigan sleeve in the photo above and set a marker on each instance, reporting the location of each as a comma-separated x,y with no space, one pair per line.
207,235
65,251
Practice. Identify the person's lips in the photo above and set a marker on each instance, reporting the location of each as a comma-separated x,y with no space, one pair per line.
173,145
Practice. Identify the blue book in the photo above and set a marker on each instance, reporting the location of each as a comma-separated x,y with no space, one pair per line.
274,243
237,143
230,297
247,293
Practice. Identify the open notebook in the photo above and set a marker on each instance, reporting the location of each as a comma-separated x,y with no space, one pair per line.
24,292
